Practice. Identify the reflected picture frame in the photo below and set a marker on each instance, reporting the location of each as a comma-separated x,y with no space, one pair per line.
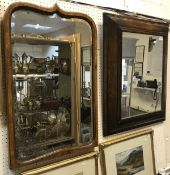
74,166
140,50
138,69
130,153
86,55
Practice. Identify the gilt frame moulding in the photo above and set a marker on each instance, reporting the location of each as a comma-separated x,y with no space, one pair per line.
69,165
14,163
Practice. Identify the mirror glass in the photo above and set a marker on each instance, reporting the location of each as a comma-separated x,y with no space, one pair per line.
51,68
142,57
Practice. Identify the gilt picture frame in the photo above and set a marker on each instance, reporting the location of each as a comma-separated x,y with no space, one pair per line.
129,154
74,166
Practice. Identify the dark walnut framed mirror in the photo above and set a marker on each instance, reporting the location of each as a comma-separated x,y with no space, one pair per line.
51,99
135,59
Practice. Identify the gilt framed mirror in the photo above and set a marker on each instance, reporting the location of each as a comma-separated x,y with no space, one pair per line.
135,60
45,85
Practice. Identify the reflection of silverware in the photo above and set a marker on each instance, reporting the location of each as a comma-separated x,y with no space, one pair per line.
25,63
63,120
38,87
17,63
60,123
35,126
37,103
64,65
38,65
41,133
21,65
20,106
52,118
31,103
52,64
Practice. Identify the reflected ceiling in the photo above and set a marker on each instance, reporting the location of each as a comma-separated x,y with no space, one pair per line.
37,24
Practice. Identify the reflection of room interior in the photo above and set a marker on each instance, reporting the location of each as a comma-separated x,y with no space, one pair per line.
49,56
141,74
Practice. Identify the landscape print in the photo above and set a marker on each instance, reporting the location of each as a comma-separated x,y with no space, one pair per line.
130,161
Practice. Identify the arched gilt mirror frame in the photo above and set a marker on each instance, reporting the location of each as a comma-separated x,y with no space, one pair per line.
70,149
120,32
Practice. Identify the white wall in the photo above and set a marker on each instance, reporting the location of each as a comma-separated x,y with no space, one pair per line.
79,27
40,51
158,8
36,52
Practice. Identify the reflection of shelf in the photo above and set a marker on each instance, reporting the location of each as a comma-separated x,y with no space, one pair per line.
37,40
48,75
146,89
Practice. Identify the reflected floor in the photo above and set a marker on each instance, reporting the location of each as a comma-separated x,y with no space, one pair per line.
126,112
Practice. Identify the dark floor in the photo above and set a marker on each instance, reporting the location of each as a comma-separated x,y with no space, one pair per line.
126,112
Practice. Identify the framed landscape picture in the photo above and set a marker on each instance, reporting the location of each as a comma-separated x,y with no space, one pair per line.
129,155
82,165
